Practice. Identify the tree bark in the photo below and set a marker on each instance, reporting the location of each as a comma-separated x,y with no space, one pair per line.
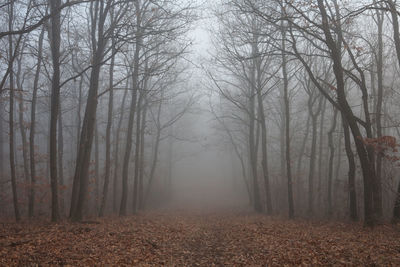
379,156
156,146
352,171
261,120
11,117
137,154
396,208
287,127
107,168
331,158
320,153
142,158
363,152
252,145
96,168
31,205
55,40
22,126
116,150
61,160
395,21
81,179
135,78
311,172
300,158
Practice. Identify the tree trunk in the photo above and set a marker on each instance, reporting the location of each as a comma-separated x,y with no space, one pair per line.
337,168
11,117
252,145
320,154
170,161
379,156
21,107
31,205
156,146
330,165
153,164
2,159
135,76
142,158
287,127
396,208
55,103
116,150
299,172
261,119
108,132
137,154
364,152
81,179
303,145
314,119
352,171
395,21
96,168
125,166
79,115
60,159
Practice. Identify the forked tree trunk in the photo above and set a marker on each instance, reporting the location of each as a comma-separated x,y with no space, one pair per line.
31,205
364,151
261,119
81,179
22,125
107,168
135,84
116,149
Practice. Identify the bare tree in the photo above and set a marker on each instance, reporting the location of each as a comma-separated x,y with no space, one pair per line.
133,105
32,157
287,126
11,112
55,40
100,11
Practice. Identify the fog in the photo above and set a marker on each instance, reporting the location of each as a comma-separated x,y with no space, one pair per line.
204,178
118,108
199,133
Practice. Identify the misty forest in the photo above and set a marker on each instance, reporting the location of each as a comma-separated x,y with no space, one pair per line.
199,132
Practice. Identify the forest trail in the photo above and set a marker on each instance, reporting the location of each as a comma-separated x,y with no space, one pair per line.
198,239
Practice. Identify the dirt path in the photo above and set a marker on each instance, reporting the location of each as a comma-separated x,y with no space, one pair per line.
198,240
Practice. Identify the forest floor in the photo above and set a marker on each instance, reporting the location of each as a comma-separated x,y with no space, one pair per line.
196,239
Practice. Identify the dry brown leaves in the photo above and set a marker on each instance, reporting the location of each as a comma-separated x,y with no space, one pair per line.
198,240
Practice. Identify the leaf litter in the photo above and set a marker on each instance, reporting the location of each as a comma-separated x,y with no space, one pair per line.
190,239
